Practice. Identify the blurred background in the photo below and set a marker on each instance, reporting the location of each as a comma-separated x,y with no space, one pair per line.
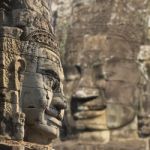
105,50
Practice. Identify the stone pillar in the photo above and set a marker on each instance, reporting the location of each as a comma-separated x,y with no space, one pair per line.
12,119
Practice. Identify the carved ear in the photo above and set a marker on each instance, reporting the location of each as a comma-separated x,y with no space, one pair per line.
21,65
19,68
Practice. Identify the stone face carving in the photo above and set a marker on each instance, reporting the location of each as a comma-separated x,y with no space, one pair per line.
31,76
103,82
122,84
42,94
84,69
104,102
102,76
88,100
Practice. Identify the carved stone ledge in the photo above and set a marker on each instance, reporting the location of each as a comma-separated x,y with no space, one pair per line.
14,145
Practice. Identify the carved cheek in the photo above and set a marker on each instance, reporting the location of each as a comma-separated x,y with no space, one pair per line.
49,97
62,113
43,98
101,83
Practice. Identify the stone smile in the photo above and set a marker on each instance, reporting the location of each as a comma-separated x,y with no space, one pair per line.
93,104
55,122
54,116
54,113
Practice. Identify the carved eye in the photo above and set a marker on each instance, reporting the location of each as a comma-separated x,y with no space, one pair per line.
72,73
98,70
55,85
49,82
108,75
140,60
78,68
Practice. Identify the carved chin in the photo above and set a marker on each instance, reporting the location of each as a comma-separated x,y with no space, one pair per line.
42,133
50,127
42,127
50,130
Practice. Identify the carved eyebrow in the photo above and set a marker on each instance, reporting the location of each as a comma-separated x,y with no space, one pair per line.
97,63
49,72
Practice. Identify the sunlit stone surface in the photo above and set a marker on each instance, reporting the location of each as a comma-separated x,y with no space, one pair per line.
32,101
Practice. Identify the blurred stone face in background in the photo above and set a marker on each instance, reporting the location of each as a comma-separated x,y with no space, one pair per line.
104,92
85,82
84,68
88,101
102,76
122,85
103,82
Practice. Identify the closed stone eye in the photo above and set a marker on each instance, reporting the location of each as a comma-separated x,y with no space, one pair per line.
79,69
55,86
52,82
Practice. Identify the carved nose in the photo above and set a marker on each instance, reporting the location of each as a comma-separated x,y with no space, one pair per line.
59,101
86,81
86,93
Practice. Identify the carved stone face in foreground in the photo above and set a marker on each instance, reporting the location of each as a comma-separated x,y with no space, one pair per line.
42,96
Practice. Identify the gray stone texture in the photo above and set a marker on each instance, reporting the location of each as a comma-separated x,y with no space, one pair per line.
32,101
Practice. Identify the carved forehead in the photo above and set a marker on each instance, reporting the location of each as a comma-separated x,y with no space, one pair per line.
89,57
48,60
33,3
45,59
45,64
48,54
35,49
